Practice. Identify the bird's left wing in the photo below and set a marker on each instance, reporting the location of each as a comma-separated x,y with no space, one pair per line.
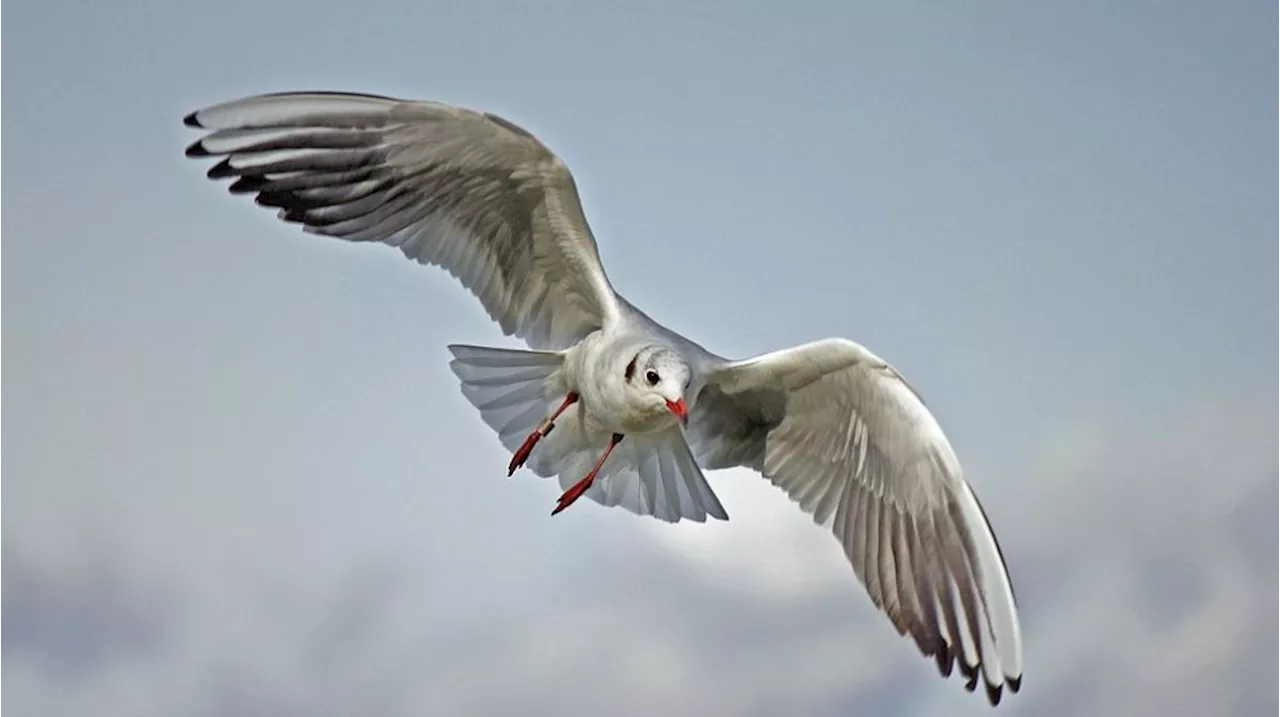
844,435
464,190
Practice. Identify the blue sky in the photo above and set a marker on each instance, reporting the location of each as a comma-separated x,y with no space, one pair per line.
242,479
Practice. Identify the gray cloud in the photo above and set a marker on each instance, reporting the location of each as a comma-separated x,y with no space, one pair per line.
1165,612
74,621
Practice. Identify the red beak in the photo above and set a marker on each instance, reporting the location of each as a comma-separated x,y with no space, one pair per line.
681,411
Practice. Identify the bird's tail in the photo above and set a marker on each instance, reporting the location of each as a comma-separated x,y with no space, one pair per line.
508,386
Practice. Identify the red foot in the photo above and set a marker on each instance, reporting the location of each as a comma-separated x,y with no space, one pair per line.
575,492
522,453
577,489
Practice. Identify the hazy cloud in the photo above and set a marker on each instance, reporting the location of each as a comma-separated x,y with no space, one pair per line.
1155,606
72,621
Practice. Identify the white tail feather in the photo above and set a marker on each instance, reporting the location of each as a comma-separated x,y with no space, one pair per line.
651,475
508,386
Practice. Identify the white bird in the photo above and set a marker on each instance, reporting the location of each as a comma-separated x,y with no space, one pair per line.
639,410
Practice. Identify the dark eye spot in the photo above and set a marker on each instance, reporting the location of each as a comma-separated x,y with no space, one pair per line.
652,378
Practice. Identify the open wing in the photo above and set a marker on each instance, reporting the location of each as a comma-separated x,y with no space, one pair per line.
467,191
844,435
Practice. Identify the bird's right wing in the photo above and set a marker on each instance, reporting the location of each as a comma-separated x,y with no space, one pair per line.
844,435
467,191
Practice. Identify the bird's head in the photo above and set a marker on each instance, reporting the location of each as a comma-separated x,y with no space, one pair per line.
659,377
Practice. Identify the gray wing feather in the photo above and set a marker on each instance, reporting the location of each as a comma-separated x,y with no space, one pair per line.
841,432
464,190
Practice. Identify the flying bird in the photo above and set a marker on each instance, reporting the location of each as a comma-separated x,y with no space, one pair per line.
610,402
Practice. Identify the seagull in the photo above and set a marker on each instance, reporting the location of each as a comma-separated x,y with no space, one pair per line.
612,403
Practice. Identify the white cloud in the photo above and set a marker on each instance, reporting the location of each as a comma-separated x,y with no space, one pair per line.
767,545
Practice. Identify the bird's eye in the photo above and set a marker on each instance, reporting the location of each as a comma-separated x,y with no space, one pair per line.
652,378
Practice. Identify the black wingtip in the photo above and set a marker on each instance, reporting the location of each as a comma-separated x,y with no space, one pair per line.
221,170
247,185
196,149
943,657
1014,683
969,672
993,693
191,121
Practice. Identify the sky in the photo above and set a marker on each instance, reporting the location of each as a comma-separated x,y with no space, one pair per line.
242,480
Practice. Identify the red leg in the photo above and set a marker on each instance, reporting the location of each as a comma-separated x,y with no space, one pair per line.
577,489
522,453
